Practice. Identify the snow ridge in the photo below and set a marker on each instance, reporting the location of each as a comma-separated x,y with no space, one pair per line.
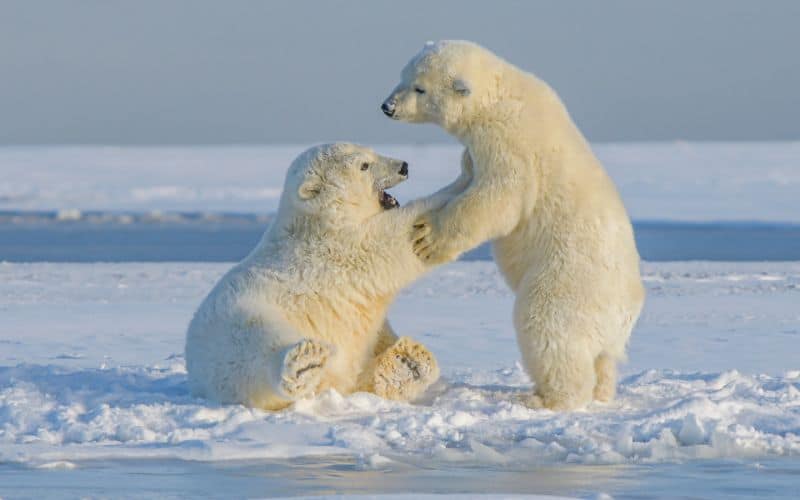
54,415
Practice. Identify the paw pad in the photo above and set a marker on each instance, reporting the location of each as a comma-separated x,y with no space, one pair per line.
303,365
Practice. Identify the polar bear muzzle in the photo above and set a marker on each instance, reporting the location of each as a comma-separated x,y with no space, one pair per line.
386,200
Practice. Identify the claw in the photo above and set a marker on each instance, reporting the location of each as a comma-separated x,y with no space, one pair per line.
422,248
420,233
424,251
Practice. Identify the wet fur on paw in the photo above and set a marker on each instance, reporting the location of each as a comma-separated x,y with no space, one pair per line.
303,365
404,371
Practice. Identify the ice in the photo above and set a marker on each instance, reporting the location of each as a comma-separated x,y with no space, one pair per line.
93,386
91,368
658,181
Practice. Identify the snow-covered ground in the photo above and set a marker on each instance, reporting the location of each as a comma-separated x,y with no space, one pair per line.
662,181
91,367
93,391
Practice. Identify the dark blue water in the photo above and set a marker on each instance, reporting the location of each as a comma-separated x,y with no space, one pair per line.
230,238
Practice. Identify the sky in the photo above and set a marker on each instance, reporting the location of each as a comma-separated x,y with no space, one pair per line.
259,72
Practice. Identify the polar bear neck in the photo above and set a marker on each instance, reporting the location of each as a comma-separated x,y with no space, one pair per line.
506,98
289,222
527,104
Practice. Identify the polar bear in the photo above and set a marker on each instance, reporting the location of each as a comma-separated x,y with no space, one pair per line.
305,311
531,184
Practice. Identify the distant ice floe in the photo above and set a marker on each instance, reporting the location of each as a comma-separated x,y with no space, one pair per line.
74,215
156,193
670,181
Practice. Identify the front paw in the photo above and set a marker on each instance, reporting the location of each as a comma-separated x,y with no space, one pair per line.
427,243
421,236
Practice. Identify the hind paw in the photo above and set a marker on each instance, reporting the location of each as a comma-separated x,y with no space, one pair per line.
303,365
404,371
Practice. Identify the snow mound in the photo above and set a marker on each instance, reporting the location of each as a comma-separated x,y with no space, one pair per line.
53,416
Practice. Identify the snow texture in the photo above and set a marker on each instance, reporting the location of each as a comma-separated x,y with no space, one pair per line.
91,367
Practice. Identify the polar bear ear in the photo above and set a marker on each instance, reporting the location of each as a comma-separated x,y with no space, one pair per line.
310,187
461,87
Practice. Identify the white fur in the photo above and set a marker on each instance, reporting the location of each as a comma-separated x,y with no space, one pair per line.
304,311
530,183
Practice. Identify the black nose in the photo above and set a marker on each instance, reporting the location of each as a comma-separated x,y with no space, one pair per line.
388,109
404,169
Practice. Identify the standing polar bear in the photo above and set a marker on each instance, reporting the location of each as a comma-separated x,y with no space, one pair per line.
530,183
305,311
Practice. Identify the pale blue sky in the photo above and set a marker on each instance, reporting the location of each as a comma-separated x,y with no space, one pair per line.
201,72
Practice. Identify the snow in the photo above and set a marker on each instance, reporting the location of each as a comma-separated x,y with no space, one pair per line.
91,368
93,393
658,181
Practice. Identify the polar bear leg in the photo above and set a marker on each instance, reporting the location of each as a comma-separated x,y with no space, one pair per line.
564,379
606,370
301,368
404,371
386,337
555,342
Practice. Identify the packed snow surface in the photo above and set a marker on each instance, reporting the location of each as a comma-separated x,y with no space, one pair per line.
663,181
91,367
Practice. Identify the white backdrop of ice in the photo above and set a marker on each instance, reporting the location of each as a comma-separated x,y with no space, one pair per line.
90,367
663,181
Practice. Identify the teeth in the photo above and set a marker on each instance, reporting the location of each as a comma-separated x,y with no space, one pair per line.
388,201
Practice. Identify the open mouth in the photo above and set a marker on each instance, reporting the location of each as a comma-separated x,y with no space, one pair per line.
388,201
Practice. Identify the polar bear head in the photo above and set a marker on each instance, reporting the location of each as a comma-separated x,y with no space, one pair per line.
446,83
341,181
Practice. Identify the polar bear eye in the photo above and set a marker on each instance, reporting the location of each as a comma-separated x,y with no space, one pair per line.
364,166
419,90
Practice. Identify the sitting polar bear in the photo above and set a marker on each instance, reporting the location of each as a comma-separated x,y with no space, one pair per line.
305,310
530,182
